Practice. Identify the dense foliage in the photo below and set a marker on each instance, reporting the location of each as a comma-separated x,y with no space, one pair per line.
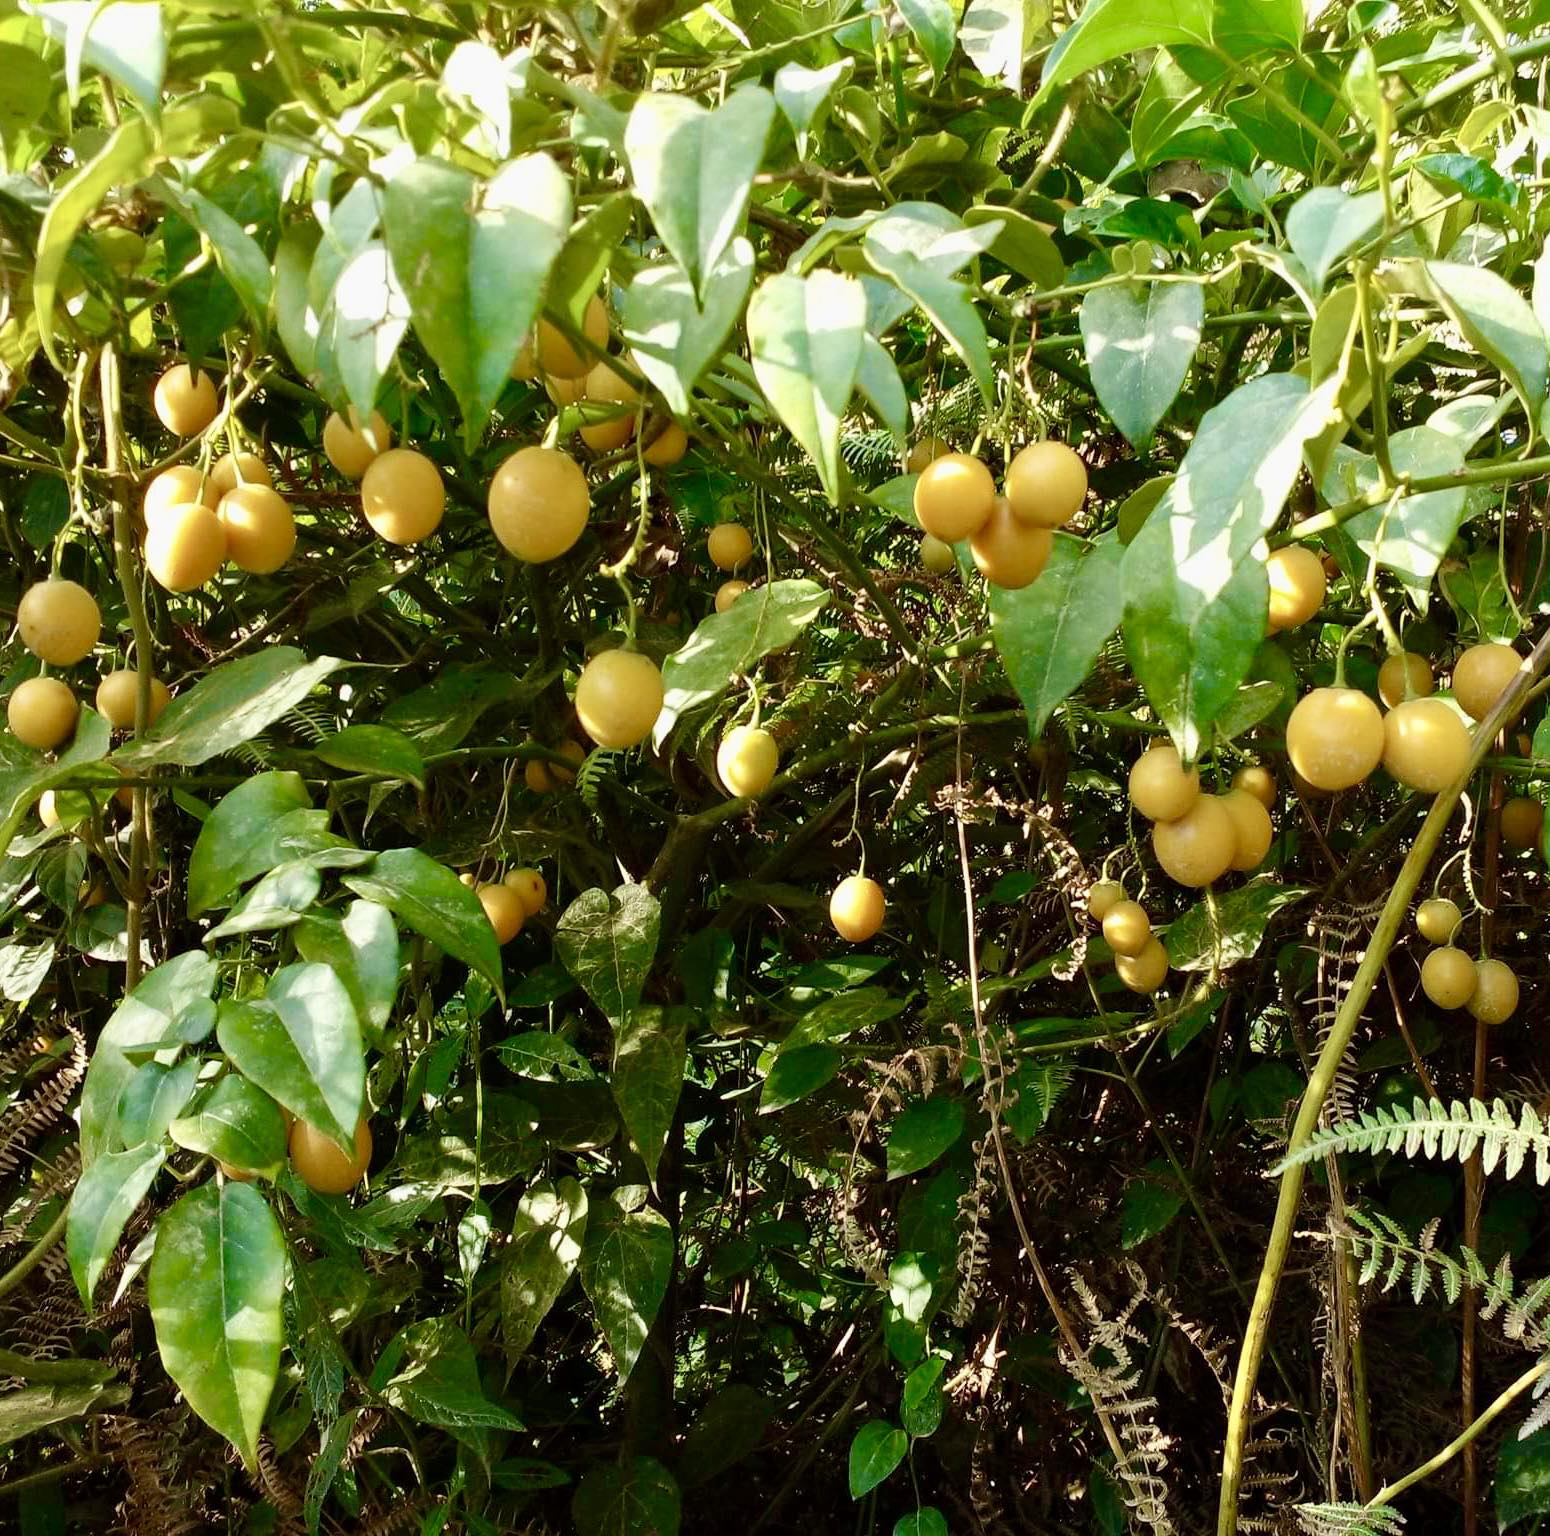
440,1092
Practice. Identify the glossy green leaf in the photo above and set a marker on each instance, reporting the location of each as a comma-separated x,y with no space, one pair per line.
215,1286
920,1409
332,1450
996,35
436,1379
635,1498
469,1150
125,39
1325,223
153,1098
650,1048
797,1073
806,334
1110,29
545,1247
802,94
239,256
928,1521
1522,1478
1475,178
107,1194
607,942
362,324
626,1263
362,949
1140,339
296,321
278,900
1021,243
878,1447
238,838
1149,1206
237,1124
921,1133
1229,929
28,1409
935,25
878,379
374,749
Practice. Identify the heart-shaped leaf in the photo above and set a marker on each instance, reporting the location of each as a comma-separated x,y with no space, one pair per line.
1140,340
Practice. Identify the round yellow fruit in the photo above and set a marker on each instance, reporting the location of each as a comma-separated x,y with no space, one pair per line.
174,487
1481,676
1448,977
605,387
260,530
1495,998
1145,972
539,504
728,593
729,545
1198,847
558,358
1252,828
349,447
1521,820
1425,744
1161,788
1103,897
234,469
1009,553
529,886
185,400
1046,484
1259,781
185,546
321,1166
667,447
1437,920
1405,676
747,760
505,909
566,391
954,497
117,694
41,712
59,621
543,777
1335,737
1297,586
618,698
402,496
857,908
936,555
927,451
1126,928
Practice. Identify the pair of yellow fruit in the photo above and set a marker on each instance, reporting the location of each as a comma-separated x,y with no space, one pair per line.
1197,837
1140,961
42,711
509,902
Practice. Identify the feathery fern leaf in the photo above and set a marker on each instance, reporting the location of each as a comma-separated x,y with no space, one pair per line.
1348,1520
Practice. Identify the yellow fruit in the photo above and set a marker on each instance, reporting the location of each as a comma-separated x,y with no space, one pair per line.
505,909
525,365
1495,998
1405,676
927,451
1425,744
1046,484
1335,737
59,621
48,808
231,470
605,387
936,555
185,400
173,487
1297,586
1521,820
1437,919
1259,782
1198,847
543,777
1126,928
402,496
954,497
529,886
1161,788
42,712
539,503
1252,828
558,358
1481,676
566,391
729,545
467,878
321,1166
260,531
1448,977
618,698
1103,897
1145,972
185,546
116,696
1008,553
667,447
349,447
728,593
747,760
857,908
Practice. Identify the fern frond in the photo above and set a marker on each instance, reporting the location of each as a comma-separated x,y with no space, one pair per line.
1348,1520
1430,1128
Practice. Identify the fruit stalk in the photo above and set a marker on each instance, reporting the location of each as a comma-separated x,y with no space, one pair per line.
1289,1197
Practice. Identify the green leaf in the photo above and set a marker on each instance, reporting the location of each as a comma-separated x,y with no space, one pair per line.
364,320
1523,1478
238,838
301,1043
729,1427
124,40
215,1286
607,942
236,1124
239,256
674,336
929,1521
802,93
236,702
30,1409
439,716
724,645
362,948
1036,1086
806,334
1049,634
296,320
1196,942
936,30
153,1098
1475,178
878,1448
995,35
436,1379
374,749
326,1464
648,1072
1110,29
107,1194
585,257
546,1242
797,1073
920,1411
1149,1207
922,1133
148,1014
277,901
1196,594
626,1263
1021,243
467,1150
431,899
472,257
1325,223
1140,340
637,1498
694,169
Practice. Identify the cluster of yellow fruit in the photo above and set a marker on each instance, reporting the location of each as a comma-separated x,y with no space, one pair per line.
510,901
543,777
1488,988
1140,961
1010,536
857,908
60,623
1196,837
